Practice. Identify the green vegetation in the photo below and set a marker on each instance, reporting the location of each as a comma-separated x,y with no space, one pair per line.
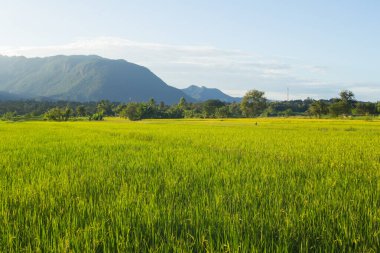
58,114
284,185
253,104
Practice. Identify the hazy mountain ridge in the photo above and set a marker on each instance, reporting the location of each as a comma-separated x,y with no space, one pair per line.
4,96
203,93
83,78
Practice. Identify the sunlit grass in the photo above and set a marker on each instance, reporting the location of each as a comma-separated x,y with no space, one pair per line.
190,186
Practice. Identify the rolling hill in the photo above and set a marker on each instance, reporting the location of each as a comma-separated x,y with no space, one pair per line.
83,78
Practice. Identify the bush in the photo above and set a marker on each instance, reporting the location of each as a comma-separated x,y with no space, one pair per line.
8,116
96,117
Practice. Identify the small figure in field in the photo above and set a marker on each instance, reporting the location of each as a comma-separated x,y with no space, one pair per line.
256,124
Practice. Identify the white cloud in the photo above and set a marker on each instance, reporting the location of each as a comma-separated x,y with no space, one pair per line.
366,92
235,93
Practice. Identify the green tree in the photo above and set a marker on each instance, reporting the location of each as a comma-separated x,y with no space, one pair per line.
67,113
182,104
150,110
133,111
56,114
120,108
347,96
162,106
222,112
210,106
175,113
365,108
318,108
253,103
80,111
152,102
105,107
343,105
348,100
234,110
337,108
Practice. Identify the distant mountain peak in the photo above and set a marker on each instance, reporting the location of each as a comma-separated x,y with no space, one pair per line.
202,93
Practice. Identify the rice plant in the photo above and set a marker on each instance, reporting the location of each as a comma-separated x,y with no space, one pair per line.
262,185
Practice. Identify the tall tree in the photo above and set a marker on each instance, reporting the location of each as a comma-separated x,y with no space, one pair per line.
182,103
152,102
348,100
343,105
347,96
253,103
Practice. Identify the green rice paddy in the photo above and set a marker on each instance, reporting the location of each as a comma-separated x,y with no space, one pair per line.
261,185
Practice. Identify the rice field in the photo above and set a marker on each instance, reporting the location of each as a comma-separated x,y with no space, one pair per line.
261,185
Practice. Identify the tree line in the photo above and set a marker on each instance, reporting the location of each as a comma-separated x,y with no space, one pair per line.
253,104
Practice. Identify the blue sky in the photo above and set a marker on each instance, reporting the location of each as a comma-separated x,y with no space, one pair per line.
314,48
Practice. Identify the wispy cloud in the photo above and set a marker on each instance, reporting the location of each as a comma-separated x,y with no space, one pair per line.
233,71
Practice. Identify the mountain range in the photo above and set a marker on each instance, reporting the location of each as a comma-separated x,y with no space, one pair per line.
90,78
